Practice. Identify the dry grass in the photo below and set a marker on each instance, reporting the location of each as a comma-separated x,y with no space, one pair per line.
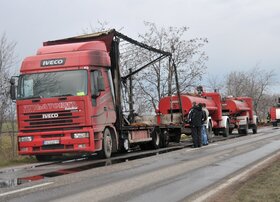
264,186
8,152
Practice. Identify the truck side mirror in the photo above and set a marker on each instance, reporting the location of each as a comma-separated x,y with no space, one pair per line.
13,89
100,83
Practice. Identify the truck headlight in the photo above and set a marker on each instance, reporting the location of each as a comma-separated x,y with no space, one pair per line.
80,135
25,139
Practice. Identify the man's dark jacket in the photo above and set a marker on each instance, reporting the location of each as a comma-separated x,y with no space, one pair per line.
196,116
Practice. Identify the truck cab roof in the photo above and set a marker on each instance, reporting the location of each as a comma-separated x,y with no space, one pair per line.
93,53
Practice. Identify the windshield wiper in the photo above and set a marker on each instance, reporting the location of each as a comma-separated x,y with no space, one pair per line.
63,95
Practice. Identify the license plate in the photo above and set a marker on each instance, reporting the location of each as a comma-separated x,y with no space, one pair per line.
48,142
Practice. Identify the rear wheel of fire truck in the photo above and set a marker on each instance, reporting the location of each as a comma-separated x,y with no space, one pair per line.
210,134
245,131
107,145
43,158
255,129
164,138
226,130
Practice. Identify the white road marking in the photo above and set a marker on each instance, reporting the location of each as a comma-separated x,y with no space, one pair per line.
26,188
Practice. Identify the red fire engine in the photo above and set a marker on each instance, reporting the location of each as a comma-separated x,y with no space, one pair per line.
224,116
274,113
240,112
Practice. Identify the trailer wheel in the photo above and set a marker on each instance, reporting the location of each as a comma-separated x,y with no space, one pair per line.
156,139
107,145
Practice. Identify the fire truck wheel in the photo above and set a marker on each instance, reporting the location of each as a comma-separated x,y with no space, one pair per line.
43,158
226,130
164,139
107,144
246,130
255,129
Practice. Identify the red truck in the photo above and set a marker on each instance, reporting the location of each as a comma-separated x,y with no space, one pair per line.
224,115
274,113
68,99
216,123
240,112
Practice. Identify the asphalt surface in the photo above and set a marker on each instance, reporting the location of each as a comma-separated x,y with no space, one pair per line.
173,176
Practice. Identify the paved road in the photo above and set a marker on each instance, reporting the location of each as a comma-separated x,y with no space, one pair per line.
173,176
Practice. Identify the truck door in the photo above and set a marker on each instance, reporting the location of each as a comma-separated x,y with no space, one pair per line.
102,101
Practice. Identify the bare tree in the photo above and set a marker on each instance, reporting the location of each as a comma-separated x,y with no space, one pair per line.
188,56
254,83
215,83
155,82
7,62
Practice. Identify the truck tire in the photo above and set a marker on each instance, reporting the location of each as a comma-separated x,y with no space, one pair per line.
164,138
226,130
246,129
156,139
107,145
255,129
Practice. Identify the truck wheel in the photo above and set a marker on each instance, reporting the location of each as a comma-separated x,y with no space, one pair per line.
43,158
246,130
156,139
210,134
226,130
107,145
240,132
164,139
255,129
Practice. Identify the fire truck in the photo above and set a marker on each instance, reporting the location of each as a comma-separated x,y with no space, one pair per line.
240,113
69,99
216,122
224,114
274,113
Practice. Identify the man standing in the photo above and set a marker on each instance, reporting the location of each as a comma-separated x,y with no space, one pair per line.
196,118
203,127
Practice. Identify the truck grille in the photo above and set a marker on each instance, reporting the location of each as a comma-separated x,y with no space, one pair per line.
52,119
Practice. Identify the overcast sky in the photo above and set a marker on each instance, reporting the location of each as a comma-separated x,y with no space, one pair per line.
241,33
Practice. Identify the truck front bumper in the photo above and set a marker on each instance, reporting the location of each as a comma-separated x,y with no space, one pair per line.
56,142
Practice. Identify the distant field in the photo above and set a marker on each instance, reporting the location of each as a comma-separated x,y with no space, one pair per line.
8,151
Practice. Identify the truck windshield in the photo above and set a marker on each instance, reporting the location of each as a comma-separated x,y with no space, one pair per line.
53,84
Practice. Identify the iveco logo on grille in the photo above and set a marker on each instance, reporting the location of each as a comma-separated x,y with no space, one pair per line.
53,62
50,116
